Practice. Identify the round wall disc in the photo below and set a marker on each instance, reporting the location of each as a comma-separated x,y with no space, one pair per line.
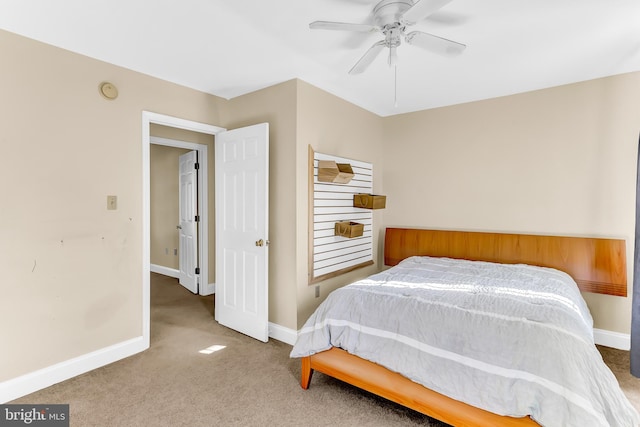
108,90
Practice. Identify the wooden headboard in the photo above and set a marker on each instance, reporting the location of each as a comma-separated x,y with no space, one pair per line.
597,265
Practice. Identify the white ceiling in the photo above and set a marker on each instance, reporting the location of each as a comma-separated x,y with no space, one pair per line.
231,47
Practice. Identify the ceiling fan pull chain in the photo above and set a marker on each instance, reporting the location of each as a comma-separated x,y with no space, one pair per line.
395,86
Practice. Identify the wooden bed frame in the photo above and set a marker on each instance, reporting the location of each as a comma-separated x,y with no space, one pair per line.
597,265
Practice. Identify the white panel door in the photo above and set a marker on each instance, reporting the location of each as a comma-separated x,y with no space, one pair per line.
242,230
188,227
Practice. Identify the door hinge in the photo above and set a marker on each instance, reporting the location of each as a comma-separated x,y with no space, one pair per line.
197,218
197,270
196,166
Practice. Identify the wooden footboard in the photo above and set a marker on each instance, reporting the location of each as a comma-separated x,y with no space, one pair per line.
393,386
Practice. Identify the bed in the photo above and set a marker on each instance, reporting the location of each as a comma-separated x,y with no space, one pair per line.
459,369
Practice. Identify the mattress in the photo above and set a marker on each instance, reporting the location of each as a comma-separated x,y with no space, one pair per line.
515,340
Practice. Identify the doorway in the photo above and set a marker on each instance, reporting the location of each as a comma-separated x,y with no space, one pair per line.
242,163
169,256
149,118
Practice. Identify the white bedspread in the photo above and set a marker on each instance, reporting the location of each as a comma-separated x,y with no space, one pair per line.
512,339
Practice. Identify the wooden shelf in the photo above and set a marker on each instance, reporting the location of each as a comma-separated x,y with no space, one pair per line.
337,173
349,229
369,201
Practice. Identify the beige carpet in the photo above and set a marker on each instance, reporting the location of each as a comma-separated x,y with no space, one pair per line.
247,383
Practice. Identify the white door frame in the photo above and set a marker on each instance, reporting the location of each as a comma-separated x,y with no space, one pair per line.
175,122
205,288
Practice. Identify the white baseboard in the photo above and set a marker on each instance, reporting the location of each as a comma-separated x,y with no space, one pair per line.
165,271
612,339
283,334
42,378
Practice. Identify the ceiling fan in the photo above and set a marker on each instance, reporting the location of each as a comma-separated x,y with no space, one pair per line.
392,17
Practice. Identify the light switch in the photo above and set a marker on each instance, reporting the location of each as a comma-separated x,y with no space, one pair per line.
112,203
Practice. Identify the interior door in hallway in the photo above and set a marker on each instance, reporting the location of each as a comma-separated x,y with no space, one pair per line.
242,230
188,227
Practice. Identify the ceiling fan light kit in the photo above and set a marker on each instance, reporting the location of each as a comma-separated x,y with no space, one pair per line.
391,18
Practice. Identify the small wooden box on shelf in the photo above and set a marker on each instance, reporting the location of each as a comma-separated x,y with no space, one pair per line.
369,201
337,173
349,229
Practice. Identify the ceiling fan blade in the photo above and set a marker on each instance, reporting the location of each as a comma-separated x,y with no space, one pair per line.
356,40
367,58
343,26
434,43
422,9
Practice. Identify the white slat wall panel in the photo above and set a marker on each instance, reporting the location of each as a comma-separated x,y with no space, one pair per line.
333,203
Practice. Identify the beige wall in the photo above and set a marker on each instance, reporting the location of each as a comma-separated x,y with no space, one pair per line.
165,225
164,205
276,105
555,161
332,126
72,278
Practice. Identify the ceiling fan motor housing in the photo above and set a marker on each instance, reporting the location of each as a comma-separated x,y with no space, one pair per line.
389,12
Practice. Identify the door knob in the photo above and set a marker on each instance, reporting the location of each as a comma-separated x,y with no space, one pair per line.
179,227
260,242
